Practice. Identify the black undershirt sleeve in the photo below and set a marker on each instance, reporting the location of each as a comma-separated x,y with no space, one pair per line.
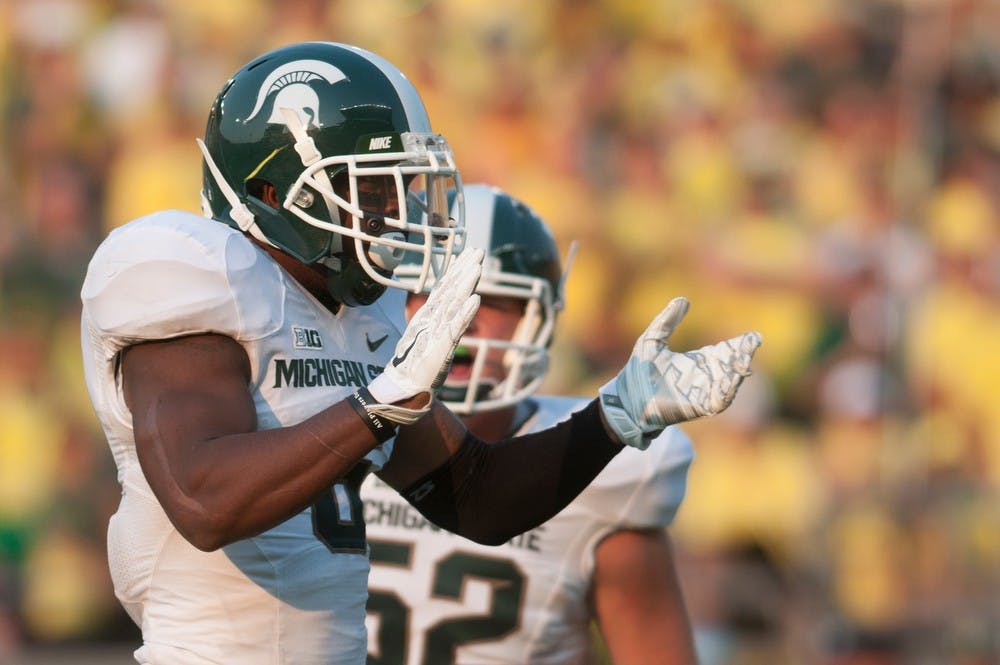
491,492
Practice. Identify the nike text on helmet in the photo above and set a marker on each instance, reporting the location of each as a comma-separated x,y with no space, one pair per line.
522,262
314,120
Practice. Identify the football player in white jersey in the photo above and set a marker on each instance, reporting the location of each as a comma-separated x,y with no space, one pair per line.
437,598
251,367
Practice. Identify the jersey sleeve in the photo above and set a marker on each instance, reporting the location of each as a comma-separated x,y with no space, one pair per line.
174,273
642,489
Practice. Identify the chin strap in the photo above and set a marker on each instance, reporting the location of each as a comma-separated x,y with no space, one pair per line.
238,210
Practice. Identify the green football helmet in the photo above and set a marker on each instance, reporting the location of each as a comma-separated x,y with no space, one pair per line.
312,120
522,262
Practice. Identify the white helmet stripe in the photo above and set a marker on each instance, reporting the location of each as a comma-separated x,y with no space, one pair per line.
480,201
413,106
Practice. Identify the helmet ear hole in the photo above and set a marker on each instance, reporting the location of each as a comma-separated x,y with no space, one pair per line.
264,191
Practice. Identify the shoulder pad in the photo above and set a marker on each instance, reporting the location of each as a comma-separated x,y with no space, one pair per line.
175,273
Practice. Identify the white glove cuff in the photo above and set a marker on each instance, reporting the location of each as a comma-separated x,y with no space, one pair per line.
617,417
386,391
399,414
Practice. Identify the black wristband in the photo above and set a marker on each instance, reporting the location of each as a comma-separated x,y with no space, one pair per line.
382,429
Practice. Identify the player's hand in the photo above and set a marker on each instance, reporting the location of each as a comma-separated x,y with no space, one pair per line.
423,354
660,387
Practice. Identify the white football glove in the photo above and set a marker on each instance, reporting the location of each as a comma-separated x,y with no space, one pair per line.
423,354
659,387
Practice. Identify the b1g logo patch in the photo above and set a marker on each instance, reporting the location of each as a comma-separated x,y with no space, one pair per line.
306,338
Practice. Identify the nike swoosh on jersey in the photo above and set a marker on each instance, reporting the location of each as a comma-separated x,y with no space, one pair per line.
374,344
400,358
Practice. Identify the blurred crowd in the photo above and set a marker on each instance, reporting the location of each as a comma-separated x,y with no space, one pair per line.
826,172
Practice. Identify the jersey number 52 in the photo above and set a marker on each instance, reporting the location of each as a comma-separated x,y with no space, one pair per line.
450,574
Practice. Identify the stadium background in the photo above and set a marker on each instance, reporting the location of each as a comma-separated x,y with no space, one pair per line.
826,172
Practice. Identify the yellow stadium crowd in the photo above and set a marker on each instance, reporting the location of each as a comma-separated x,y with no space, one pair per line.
826,172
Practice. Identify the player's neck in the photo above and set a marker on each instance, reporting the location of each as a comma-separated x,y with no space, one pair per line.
311,278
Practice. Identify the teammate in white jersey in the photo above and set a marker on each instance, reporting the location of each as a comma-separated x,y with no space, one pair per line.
437,598
250,371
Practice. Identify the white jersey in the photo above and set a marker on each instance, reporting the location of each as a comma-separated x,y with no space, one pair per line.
296,593
435,597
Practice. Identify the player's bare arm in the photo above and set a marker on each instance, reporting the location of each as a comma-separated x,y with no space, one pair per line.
637,600
218,479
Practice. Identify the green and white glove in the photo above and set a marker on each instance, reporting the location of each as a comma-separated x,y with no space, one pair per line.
660,387
423,354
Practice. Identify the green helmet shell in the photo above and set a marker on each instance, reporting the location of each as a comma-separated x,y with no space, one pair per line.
518,241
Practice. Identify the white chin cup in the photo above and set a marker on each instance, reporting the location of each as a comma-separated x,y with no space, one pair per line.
384,256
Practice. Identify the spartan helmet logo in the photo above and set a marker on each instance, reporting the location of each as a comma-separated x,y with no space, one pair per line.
291,80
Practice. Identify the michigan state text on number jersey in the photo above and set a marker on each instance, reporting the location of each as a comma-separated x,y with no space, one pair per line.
435,597
294,594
